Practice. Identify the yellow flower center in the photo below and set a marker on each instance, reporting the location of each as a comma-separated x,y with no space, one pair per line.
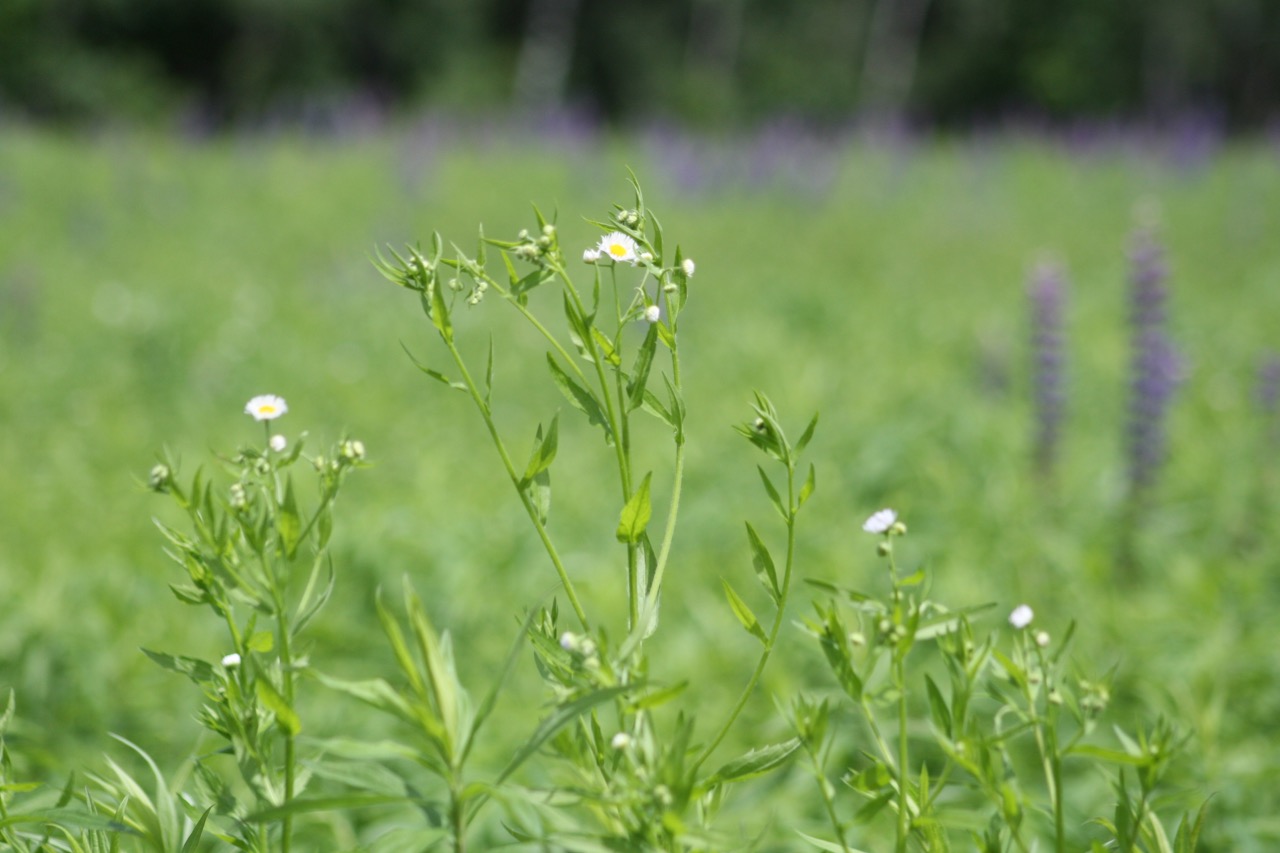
618,250
266,409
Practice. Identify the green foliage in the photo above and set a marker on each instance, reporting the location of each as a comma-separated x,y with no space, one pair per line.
429,511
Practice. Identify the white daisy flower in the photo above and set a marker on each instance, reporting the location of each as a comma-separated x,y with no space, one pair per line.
278,443
880,522
266,407
687,266
1021,616
617,247
231,660
653,313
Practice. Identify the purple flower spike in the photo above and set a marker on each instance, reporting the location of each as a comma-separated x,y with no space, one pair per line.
1157,367
1047,293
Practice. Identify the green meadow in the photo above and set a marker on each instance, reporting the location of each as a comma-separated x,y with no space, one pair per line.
150,286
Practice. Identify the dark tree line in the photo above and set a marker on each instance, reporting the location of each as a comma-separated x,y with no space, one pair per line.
709,61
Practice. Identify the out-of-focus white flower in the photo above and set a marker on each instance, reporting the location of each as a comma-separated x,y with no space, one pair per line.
568,641
1021,616
231,660
266,407
590,256
1042,638
880,521
278,443
618,247
687,266
653,313
621,740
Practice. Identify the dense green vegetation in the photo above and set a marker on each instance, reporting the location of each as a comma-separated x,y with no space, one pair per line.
148,288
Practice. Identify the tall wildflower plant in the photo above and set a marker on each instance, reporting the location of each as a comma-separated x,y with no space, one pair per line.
257,558
613,356
1046,293
1156,367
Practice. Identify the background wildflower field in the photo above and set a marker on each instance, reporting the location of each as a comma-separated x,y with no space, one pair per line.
149,287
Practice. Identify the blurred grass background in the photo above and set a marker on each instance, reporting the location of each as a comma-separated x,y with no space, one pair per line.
149,286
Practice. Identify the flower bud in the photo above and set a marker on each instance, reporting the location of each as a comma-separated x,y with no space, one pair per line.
621,740
278,443
239,499
687,266
653,314
1042,638
352,450
231,660
160,478
590,256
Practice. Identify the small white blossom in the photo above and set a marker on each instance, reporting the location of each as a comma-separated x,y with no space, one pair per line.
568,641
653,313
687,266
266,407
590,256
621,740
231,660
1042,638
278,443
880,522
1021,616
618,247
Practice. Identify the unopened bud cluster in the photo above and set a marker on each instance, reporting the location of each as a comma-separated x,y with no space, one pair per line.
539,249
160,478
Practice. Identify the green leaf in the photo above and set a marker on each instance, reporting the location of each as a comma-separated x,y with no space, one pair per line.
659,697
285,715
288,522
640,370
559,718
261,642
440,314
446,690
829,846
201,672
192,843
434,374
635,515
755,763
1102,753
1188,837
744,614
375,692
773,495
945,623
544,451
579,397
938,707
488,375
307,805
763,562
606,347
806,490
807,434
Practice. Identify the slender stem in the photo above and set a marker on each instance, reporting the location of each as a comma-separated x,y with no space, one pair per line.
904,814
827,800
287,679
773,631
668,534
529,508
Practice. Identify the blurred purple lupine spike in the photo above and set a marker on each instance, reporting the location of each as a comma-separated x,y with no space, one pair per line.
1157,367
1047,293
1268,395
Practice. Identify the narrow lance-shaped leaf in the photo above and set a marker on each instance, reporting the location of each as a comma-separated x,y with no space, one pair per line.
285,715
756,762
640,372
579,397
635,515
763,563
288,522
744,614
544,451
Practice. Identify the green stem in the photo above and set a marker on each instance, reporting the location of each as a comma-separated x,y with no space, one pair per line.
668,533
827,800
529,508
287,680
904,814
